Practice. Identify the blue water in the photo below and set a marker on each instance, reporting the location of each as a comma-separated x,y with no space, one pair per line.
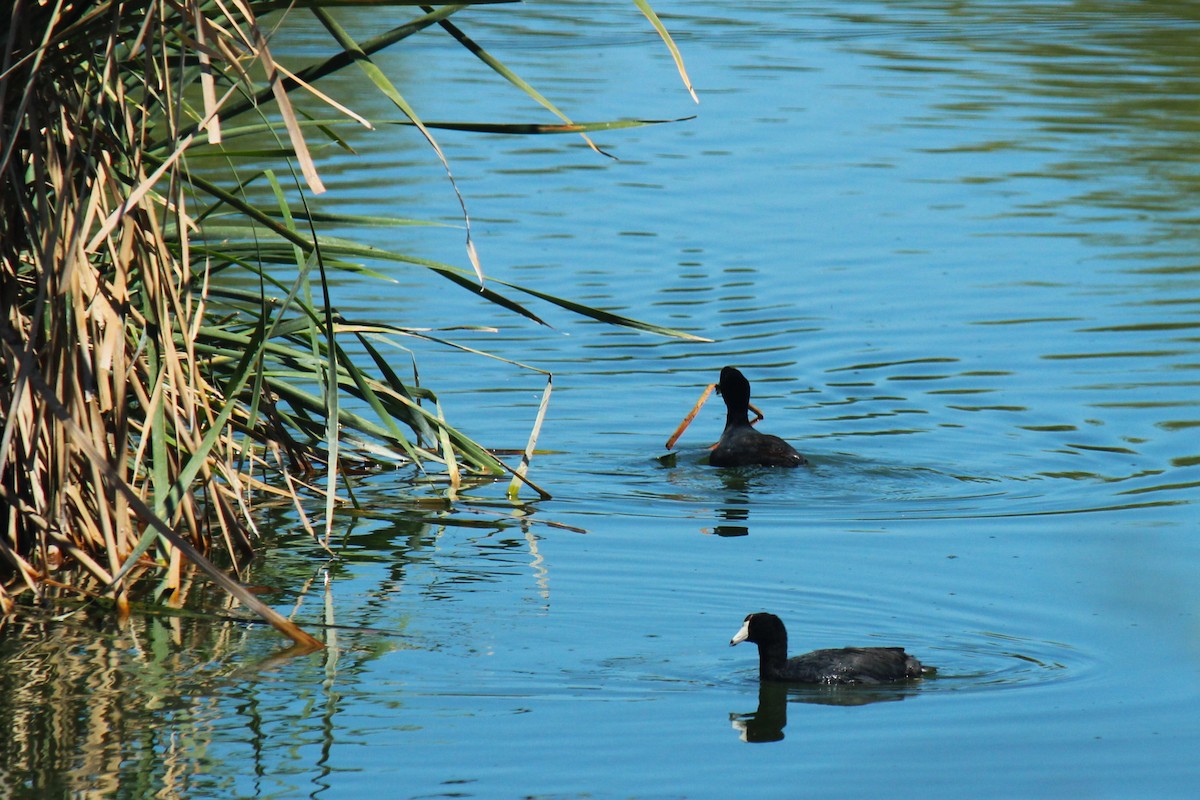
953,247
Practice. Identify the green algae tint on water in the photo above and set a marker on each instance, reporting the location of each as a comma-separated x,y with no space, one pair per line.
953,248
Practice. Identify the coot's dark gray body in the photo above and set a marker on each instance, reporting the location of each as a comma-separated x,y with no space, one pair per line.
848,665
740,444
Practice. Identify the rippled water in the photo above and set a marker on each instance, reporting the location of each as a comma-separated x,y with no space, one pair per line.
954,248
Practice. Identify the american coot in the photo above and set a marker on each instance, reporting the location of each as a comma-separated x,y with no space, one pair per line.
862,665
740,444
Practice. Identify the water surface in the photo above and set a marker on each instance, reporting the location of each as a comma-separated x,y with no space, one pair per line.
954,248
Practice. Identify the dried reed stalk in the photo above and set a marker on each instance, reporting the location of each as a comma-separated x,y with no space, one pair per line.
144,403
111,431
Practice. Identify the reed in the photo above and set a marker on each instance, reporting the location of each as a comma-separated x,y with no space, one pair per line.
148,401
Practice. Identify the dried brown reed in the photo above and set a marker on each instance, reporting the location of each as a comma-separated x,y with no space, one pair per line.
147,404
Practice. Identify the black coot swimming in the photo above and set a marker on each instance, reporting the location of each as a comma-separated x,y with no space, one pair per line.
740,444
849,665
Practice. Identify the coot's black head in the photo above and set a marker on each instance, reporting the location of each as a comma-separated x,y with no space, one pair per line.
734,387
761,629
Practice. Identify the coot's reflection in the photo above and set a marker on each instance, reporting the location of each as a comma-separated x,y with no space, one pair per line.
736,507
732,513
767,723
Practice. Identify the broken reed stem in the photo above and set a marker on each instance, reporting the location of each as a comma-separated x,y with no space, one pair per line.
683,426
691,415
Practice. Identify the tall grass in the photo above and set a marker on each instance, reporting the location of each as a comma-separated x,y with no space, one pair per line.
148,403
